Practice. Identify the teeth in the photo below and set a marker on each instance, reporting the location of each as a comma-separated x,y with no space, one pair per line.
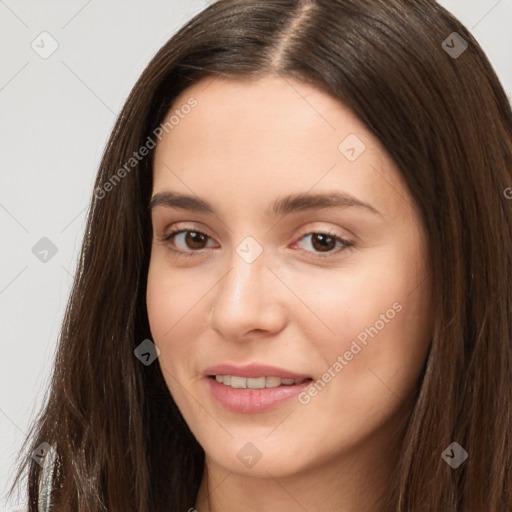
255,382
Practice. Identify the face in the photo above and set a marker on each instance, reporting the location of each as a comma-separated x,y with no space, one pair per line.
301,249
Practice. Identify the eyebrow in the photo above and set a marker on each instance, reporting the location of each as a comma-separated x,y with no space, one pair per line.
282,205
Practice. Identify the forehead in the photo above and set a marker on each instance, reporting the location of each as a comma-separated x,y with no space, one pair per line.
272,134
272,104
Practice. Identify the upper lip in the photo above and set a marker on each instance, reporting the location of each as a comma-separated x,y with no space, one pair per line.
253,370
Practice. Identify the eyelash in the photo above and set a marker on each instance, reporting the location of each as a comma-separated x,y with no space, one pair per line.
347,244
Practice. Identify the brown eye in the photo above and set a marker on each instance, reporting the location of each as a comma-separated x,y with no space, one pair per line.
186,241
326,244
323,242
195,239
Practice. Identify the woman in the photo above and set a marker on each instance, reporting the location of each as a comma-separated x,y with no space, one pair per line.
295,286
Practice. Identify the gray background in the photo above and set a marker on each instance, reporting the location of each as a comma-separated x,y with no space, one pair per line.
56,114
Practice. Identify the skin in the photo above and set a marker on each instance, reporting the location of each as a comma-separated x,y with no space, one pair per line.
245,144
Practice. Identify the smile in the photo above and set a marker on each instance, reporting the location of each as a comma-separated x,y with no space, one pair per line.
256,382
248,400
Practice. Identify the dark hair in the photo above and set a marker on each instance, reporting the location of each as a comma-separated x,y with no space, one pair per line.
447,123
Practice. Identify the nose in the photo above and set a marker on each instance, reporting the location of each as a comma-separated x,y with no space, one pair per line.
248,300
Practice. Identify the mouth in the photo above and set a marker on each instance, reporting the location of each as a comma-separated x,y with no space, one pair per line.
251,395
255,383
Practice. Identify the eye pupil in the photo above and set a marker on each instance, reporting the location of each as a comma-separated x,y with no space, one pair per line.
194,237
322,238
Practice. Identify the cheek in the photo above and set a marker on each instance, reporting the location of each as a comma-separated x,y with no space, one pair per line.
171,302
377,320
372,364
166,315
178,312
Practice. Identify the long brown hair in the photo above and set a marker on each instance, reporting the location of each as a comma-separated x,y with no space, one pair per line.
439,109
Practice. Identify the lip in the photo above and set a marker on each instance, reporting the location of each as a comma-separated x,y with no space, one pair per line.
253,370
250,401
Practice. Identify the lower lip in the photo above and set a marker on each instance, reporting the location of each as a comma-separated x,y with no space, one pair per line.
248,401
